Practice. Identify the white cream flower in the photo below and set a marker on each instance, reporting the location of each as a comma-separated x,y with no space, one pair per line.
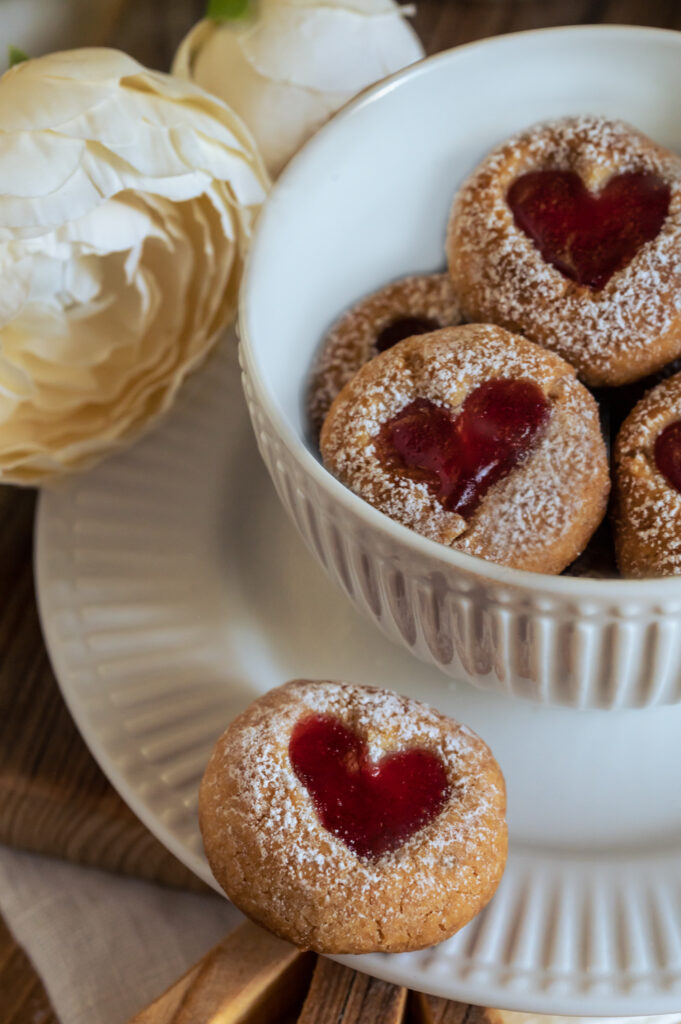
291,64
126,199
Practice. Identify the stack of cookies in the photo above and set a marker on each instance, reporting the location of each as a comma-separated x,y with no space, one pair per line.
478,407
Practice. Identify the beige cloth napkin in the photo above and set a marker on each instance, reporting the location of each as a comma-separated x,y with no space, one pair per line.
104,946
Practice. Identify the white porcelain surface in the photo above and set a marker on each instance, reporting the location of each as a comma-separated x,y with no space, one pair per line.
366,201
173,590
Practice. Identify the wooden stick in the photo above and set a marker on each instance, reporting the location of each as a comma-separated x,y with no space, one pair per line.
339,995
424,1009
250,977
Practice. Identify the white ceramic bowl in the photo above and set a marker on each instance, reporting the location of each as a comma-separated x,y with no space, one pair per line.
367,201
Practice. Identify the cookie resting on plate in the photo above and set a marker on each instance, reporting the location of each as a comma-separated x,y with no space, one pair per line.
477,439
348,819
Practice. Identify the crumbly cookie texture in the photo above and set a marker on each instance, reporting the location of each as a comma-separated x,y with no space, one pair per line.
281,867
620,333
351,342
647,509
539,517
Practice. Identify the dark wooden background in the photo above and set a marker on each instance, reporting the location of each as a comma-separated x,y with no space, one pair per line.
45,769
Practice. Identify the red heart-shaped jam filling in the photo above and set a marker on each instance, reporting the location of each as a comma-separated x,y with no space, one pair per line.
460,456
372,807
404,327
588,236
668,454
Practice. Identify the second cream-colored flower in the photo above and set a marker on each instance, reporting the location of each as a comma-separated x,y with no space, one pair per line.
288,66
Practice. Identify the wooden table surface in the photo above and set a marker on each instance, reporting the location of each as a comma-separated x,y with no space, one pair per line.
37,737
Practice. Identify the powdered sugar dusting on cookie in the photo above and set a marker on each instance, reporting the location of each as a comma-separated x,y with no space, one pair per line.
351,342
252,788
648,508
522,516
387,722
628,328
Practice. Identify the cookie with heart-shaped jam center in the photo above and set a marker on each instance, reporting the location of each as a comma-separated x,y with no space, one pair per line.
478,439
349,820
568,233
413,305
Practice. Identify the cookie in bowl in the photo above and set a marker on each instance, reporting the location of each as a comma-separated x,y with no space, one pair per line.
477,439
570,234
647,478
413,305
348,819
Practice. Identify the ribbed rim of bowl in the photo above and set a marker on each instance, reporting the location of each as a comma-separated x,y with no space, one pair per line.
658,589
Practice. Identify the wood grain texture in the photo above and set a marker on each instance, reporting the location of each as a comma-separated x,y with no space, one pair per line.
23,999
424,1009
52,795
251,977
445,23
339,995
